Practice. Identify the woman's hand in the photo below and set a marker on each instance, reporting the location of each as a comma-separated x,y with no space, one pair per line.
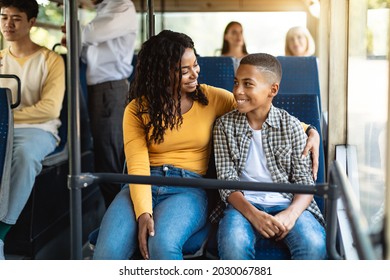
313,145
145,229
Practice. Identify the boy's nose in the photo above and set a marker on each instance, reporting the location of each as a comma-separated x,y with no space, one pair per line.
238,90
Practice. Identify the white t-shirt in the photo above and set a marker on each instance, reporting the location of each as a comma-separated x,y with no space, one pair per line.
256,170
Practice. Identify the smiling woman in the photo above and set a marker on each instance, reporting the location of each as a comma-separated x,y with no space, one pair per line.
159,141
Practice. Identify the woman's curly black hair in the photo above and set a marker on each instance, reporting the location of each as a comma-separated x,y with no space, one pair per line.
153,88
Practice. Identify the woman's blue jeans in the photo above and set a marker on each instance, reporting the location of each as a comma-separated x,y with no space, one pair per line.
237,237
179,212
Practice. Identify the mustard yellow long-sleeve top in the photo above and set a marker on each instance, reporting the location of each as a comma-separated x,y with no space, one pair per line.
187,147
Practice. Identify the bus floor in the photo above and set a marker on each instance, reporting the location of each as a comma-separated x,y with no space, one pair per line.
87,254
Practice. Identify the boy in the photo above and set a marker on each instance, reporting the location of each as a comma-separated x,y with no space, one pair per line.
258,142
36,119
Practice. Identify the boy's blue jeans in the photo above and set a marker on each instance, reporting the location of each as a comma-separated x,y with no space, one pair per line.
178,213
237,237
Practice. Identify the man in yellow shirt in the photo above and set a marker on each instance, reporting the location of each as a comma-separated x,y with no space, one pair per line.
36,119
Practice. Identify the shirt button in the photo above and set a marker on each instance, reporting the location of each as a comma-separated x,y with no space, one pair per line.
165,168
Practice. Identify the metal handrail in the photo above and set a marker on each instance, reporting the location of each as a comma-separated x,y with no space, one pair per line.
339,186
19,90
323,190
359,225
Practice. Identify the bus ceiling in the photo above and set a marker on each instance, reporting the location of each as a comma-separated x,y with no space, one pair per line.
217,6
226,5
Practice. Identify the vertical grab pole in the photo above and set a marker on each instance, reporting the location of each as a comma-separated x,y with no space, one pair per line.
151,18
72,38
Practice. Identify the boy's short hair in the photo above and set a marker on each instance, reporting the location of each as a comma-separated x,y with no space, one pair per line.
265,63
30,7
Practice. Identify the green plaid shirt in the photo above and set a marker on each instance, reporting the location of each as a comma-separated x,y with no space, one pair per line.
283,141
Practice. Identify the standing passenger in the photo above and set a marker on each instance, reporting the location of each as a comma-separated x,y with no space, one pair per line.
36,119
108,43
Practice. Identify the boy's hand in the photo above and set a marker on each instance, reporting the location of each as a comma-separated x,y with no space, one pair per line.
267,225
288,219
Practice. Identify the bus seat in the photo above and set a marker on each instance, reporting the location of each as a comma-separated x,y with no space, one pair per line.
217,71
307,109
300,75
6,137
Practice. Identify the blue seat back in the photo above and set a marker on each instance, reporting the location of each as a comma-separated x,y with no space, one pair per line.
307,109
4,127
6,140
217,71
300,75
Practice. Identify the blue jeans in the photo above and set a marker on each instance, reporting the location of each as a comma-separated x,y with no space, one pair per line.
30,147
237,237
179,213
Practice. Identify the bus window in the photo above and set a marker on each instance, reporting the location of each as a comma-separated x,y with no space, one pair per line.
368,88
263,31
47,31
